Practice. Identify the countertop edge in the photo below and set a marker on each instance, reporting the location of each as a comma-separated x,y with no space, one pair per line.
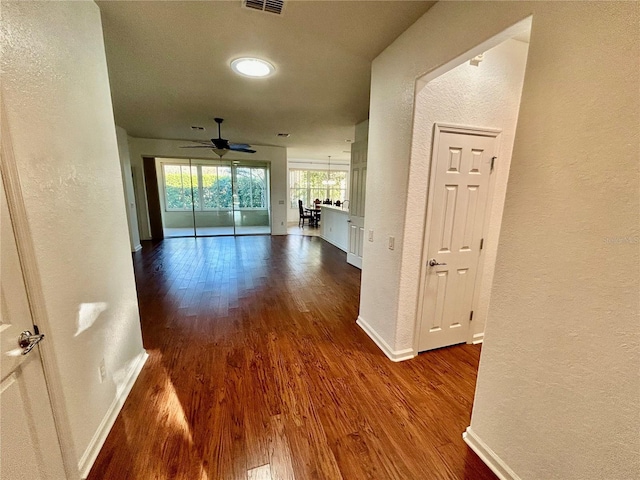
336,209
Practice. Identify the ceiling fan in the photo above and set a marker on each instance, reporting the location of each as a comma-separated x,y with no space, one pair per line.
221,145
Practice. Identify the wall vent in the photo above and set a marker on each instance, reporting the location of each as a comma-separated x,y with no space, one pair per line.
271,6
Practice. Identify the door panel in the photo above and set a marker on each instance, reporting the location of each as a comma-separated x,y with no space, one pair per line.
357,196
251,209
30,448
216,197
458,202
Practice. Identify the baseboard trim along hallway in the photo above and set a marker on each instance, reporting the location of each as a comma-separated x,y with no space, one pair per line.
394,355
93,449
488,456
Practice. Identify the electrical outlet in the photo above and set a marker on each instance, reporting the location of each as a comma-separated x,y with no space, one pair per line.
102,371
392,242
371,235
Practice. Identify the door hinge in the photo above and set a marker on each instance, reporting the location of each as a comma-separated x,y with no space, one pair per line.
471,316
493,162
481,243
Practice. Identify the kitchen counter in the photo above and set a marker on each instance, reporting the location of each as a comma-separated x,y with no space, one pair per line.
334,227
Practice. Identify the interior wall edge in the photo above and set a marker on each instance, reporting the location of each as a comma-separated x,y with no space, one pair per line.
488,456
393,355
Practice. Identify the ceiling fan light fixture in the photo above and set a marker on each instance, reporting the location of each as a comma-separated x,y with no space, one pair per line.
221,152
252,67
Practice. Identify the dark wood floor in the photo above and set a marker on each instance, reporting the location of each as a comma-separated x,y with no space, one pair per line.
257,370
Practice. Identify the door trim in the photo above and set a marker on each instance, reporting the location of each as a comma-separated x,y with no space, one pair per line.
153,198
439,128
28,262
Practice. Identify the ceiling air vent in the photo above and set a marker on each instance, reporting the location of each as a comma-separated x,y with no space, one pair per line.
271,6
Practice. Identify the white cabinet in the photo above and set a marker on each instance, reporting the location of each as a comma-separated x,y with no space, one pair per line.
334,226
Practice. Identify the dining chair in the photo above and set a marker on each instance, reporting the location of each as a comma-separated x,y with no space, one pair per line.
303,215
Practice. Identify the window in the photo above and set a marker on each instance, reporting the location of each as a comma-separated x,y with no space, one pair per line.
217,188
252,187
178,187
210,187
306,185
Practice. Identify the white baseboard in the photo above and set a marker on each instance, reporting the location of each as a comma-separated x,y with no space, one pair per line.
478,338
91,453
488,456
394,355
341,247
138,248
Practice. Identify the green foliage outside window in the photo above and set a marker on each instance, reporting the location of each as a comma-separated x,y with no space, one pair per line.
217,188
214,187
178,185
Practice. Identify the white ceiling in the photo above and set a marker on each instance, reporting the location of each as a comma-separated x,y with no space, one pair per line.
169,69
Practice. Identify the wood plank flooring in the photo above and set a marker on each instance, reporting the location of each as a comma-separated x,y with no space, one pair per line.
257,370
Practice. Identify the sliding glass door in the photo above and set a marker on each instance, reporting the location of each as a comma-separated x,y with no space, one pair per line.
177,199
251,213
214,197
216,192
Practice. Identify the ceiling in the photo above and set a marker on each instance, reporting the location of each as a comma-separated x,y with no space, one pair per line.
169,69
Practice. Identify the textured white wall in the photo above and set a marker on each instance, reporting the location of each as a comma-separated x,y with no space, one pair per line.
129,194
558,393
484,96
56,92
277,156
447,31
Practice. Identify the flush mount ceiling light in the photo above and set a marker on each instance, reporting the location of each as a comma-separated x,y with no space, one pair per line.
252,67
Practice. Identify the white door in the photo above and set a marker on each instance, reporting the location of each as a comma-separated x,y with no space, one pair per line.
29,447
357,195
459,194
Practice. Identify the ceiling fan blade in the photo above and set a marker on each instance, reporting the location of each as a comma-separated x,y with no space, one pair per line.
240,149
239,145
198,146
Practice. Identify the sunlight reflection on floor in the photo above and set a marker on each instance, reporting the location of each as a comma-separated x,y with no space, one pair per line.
169,426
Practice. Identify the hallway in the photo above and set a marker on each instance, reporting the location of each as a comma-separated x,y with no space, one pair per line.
258,370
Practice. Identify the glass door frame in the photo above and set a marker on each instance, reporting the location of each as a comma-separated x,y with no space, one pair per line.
197,191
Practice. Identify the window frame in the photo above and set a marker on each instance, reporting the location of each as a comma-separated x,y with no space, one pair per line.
198,190
308,188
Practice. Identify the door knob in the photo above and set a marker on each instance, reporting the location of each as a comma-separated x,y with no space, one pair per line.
27,341
433,262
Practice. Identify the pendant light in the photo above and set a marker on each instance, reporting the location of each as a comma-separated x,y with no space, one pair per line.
330,180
